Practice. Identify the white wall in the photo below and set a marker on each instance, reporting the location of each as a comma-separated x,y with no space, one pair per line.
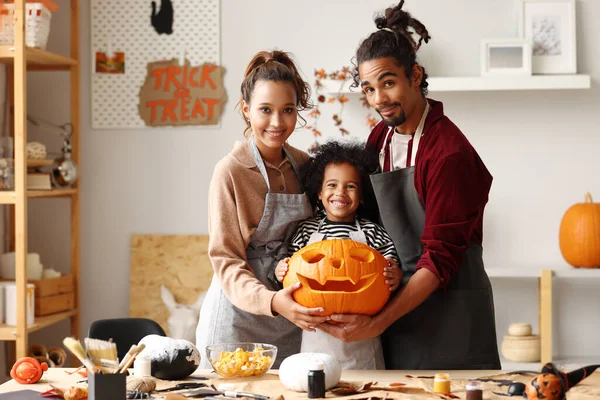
540,147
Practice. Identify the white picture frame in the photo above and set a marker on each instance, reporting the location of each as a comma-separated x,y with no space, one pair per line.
505,57
550,25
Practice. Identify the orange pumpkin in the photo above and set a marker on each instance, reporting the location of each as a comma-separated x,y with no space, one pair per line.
579,236
28,370
545,386
340,275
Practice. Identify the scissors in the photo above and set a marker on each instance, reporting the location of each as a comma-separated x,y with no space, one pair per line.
185,385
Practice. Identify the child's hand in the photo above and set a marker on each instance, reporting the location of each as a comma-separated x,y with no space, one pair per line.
281,269
393,274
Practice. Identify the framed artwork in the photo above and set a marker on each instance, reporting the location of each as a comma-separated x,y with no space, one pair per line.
500,57
550,26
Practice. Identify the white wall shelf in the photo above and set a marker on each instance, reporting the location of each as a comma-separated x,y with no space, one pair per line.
499,272
560,272
520,366
478,83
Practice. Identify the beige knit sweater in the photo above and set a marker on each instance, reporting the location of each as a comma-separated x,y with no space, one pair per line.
236,201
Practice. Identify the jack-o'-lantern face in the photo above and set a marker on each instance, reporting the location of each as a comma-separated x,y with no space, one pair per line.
545,386
340,275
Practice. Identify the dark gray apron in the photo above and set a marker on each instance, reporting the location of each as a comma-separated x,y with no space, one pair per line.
222,322
456,330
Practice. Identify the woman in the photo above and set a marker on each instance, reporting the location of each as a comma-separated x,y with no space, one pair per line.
255,201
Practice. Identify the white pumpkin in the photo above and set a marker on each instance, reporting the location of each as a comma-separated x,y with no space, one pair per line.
293,371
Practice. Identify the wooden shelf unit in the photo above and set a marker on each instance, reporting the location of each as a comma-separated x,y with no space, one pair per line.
21,59
38,59
545,279
10,332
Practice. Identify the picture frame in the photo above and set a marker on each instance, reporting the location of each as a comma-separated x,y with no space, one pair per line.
550,25
506,57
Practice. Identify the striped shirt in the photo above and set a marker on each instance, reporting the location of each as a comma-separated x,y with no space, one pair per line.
376,236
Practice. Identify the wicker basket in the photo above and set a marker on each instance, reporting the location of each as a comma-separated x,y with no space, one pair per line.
37,25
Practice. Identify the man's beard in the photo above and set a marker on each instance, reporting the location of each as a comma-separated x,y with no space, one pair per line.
394,120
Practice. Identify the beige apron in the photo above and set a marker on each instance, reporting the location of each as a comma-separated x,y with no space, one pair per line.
222,322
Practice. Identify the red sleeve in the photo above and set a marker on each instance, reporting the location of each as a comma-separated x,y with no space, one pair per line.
457,190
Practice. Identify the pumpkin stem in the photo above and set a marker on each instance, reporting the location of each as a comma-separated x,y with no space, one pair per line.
588,197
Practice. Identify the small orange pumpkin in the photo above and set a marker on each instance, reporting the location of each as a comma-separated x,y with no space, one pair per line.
341,275
28,370
579,236
545,386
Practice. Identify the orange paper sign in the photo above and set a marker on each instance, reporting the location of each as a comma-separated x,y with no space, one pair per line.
175,95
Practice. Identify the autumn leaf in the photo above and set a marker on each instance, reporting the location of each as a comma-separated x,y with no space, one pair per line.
364,101
331,100
337,120
320,73
321,99
371,122
316,133
342,99
344,132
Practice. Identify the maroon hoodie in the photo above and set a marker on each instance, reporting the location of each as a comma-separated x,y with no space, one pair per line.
453,185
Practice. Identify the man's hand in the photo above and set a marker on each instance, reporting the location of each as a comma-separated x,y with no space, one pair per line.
351,327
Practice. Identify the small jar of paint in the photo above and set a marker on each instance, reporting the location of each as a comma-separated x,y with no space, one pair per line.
474,390
441,383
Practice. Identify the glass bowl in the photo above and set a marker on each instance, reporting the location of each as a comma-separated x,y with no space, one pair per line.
233,360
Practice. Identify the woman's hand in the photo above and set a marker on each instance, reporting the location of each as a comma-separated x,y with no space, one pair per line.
393,274
283,303
281,269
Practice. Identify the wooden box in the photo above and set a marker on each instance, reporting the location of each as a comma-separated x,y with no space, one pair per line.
54,295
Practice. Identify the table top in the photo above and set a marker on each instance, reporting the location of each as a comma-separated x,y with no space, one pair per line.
59,377
418,384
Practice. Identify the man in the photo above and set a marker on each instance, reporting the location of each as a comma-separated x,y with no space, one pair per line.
431,194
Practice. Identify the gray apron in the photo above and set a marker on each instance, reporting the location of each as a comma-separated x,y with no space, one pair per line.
455,330
363,354
222,322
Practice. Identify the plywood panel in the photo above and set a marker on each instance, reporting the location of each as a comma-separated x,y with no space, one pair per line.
180,262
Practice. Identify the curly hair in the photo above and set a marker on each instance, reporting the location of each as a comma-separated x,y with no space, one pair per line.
394,39
355,153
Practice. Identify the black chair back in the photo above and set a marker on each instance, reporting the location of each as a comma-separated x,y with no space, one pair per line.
125,332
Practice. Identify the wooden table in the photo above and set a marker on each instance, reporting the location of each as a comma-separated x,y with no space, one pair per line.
59,377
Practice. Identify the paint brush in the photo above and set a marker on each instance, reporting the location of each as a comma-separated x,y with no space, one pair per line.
129,357
132,357
100,349
76,348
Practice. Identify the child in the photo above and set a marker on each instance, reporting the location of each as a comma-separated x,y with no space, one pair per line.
337,182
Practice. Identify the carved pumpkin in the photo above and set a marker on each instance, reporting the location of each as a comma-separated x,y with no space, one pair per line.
545,386
579,236
340,275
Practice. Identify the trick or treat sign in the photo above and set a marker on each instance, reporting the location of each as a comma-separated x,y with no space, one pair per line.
176,95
